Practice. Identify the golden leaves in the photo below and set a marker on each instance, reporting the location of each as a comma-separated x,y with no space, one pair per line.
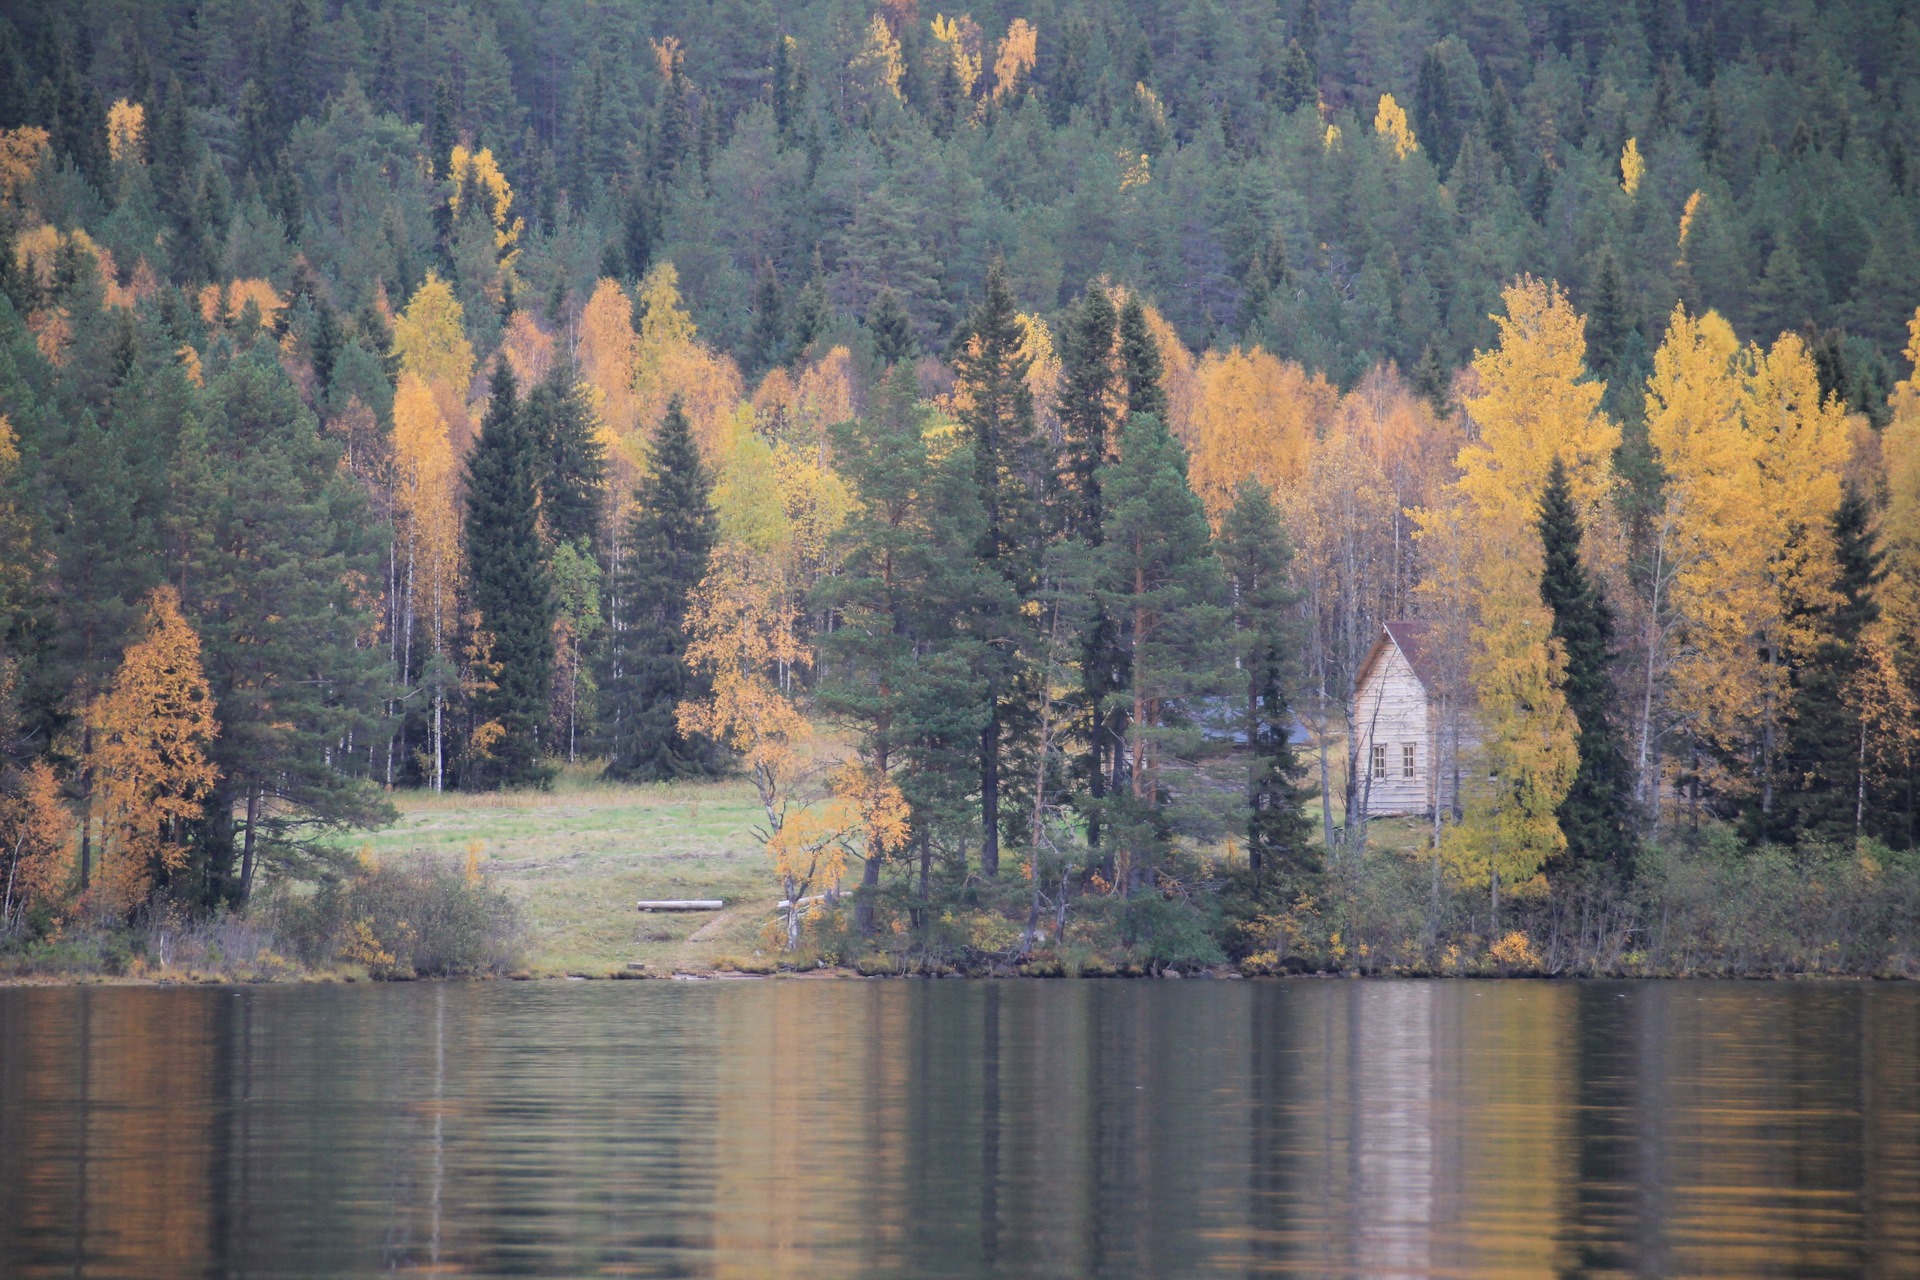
1014,61
426,483
35,831
878,65
223,306
150,771
1390,122
1633,167
430,337
961,35
126,129
476,175
21,151
1252,414
1753,460
1687,215
528,349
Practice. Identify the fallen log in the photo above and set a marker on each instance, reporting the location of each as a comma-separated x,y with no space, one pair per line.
681,904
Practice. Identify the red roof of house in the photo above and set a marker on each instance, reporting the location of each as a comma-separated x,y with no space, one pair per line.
1411,637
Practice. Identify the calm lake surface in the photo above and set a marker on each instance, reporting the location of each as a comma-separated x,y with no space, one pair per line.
963,1129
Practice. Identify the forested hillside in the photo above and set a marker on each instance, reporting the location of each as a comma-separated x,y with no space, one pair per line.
1047,401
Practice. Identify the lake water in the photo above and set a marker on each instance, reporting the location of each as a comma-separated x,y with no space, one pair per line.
962,1129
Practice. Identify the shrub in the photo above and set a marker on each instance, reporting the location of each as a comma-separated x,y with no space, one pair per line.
422,916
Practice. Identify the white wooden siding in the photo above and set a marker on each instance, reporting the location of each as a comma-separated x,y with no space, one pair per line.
1391,712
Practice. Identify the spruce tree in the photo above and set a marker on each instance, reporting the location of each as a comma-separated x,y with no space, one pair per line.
1006,459
573,463
1254,550
892,329
1087,414
1608,323
508,584
1817,799
1595,814
1140,359
767,339
669,539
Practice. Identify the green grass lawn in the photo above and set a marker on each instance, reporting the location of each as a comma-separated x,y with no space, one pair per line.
579,856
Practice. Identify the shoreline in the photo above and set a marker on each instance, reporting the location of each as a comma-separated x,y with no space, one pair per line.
846,974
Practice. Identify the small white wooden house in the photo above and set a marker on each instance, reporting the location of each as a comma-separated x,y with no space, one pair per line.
1398,723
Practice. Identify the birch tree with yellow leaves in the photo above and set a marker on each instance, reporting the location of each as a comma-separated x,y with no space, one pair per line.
1534,403
427,534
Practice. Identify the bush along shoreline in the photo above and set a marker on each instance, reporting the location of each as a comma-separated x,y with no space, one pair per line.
1709,907
420,917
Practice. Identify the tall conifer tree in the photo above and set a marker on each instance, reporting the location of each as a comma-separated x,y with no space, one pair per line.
670,538
1253,548
1818,800
1594,816
1141,360
1006,459
573,463
507,571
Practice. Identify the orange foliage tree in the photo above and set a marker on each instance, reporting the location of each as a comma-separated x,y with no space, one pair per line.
35,831
148,760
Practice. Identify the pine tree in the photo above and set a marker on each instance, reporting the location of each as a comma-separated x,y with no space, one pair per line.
670,539
573,464
1160,580
895,666
509,589
1255,553
1594,816
892,329
1822,756
999,420
270,542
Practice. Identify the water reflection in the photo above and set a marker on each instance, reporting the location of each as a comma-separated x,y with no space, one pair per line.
962,1129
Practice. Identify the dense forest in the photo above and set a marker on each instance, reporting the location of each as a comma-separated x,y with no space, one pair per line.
1000,435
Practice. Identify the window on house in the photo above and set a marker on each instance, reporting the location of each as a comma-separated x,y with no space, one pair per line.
1406,760
1379,760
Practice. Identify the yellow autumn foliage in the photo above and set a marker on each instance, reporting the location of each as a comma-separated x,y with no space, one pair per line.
1633,167
1014,61
21,151
1390,122
1532,404
961,36
1251,414
478,173
126,129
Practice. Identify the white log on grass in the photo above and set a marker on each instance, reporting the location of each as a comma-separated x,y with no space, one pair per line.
682,904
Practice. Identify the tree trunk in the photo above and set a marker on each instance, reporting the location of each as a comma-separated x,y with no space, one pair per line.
869,886
246,851
990,795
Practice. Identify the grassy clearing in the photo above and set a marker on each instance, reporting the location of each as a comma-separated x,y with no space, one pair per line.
580,855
